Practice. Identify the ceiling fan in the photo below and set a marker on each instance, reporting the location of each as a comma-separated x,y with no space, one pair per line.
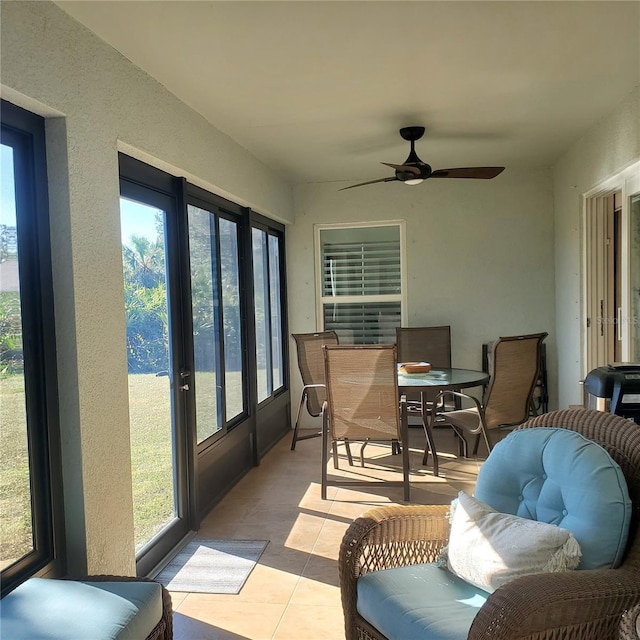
414,171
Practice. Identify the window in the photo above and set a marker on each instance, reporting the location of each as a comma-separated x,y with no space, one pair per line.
360,281
29,463
268,303
214,259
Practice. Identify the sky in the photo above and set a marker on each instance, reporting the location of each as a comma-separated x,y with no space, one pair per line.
7,191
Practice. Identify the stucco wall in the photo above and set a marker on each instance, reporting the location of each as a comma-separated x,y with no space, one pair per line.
479,255
607,148
54,66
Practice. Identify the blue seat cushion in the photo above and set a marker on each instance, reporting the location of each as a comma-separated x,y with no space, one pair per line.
560,477
419,601
42,609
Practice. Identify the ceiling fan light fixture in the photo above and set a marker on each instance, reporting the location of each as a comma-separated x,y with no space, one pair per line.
414,171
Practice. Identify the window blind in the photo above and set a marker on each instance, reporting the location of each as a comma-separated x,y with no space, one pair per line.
361,268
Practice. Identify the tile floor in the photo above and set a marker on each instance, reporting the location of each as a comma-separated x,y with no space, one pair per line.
293,593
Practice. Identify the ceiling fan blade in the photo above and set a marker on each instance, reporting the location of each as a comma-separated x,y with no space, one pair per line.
406,168
360,184
482,173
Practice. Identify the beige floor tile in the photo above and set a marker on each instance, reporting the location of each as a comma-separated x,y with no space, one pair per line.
293,592
255,620
308,622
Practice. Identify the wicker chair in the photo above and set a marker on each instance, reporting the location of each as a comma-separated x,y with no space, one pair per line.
311,365
576,605
514,365
164,629
630,624
362,405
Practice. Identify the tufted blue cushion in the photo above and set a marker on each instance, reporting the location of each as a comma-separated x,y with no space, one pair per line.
42,609
560,477
418,602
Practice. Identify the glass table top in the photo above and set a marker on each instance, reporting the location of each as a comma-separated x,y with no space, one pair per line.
443,378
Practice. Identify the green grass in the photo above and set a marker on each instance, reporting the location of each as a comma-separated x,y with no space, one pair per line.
15,510
151,455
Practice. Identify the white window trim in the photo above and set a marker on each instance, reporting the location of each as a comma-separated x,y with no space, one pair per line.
321,300
627,181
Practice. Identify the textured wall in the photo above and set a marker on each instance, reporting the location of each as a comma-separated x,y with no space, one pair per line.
479,255
52,64
611,145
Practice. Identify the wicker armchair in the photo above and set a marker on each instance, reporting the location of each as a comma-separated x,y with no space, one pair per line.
580,605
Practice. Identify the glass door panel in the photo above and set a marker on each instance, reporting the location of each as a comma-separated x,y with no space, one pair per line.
202,251
149,356
16,530
261,297
230,277
276,312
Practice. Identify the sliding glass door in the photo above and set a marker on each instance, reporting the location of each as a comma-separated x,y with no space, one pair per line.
157,374
204,299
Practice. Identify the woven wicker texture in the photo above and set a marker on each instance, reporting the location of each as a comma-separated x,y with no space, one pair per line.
164,629
630,624
577,605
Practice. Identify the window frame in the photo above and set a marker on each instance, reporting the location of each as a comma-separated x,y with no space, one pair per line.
321,299
221,208
273,229
25,131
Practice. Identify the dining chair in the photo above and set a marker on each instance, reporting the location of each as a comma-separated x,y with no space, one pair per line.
362,405
311,365
514,366
423,344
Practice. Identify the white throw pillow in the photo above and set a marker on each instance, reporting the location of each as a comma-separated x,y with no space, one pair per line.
488,549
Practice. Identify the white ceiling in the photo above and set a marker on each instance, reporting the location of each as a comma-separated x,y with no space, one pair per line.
318,90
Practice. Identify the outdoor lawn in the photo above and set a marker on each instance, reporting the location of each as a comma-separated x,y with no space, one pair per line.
151,462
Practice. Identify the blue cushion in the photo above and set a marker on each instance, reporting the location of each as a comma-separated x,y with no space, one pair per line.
418,602
560,477
42,609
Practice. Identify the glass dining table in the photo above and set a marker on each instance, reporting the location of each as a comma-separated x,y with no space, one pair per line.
435,381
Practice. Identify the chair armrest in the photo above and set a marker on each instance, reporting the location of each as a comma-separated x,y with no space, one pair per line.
455,394
385,538
575,604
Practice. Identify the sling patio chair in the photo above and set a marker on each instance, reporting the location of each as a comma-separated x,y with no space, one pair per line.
362,405
311,365
514,366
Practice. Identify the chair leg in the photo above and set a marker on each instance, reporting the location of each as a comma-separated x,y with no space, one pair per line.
348,450
463,446
295,429
395,448
405,472
476,445
325,457
364,444
334,450
429,447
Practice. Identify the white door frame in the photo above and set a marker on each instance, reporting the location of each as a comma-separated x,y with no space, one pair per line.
594,349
